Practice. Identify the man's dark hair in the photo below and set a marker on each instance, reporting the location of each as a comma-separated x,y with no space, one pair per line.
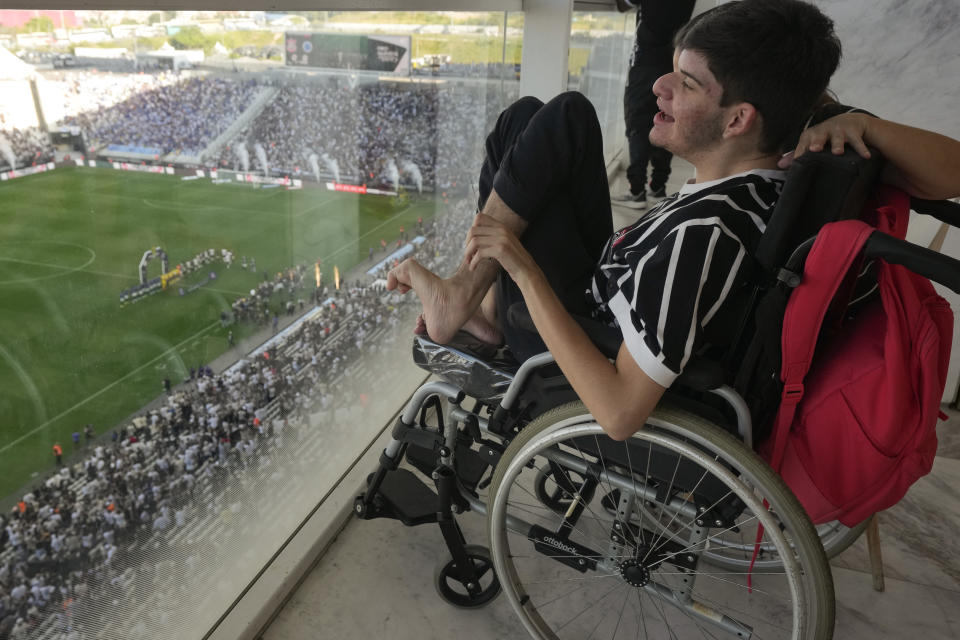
778,55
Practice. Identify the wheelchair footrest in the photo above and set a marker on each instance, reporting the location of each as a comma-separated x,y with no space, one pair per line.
407,499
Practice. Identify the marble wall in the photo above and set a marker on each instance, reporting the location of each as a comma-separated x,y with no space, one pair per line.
901,61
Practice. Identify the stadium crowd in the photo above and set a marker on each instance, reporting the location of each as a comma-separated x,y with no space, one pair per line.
23,147
416,134
375,134
288,284
154,110
99,528
494,70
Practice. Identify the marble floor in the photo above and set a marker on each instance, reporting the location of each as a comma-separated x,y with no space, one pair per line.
376,579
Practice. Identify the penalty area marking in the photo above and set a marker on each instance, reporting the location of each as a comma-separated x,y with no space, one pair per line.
66,270
108,387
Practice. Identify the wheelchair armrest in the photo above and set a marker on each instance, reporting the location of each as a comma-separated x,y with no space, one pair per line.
606,338
943,210
481,370
932,265
701,374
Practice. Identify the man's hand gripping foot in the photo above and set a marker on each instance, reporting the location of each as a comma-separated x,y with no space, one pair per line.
447,308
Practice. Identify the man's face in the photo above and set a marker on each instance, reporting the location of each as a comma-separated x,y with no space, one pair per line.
690,121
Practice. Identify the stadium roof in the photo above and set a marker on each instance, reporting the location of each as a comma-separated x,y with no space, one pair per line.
13,68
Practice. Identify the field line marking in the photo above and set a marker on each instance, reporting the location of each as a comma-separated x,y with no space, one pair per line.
108,387
361,237
73,269
40,264
316,207
193,207
68,270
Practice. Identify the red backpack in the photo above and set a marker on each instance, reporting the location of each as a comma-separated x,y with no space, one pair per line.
856,429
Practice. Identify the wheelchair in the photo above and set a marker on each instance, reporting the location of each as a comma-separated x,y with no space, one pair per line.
682,530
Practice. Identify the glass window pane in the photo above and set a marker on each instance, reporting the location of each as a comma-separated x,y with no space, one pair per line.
600,45
198,212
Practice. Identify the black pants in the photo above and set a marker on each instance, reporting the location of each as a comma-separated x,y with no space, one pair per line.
546,163
639,107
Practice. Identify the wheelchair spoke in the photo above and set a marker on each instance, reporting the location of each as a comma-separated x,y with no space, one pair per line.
604,575
669,492
590,606
583,533
547,603
633,478
607,474
741,614
585,459
736,584
689,548
642,616
663,614
623,607
653,546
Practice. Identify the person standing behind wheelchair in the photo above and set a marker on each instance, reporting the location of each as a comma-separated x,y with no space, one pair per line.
657,22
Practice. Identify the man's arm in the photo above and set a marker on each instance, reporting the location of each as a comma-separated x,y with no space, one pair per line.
618,394
922,163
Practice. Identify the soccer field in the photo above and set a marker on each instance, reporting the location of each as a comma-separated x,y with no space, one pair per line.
72,240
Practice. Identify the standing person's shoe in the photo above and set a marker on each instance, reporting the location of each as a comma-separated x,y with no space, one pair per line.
633,201
658,192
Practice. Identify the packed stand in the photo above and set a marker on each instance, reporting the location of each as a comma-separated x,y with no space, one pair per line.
23,148
495,70
160,110
256,307
373,134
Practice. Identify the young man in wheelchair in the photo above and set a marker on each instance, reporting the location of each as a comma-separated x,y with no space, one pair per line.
746,77
669,523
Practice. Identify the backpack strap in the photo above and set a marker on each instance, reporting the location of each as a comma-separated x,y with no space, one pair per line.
837,246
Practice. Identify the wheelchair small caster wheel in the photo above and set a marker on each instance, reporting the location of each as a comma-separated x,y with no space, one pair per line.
454,589
359,508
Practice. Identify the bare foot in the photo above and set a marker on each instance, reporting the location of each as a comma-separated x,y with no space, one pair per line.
480,328
446,307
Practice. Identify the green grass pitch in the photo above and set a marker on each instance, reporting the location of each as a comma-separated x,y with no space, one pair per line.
71,241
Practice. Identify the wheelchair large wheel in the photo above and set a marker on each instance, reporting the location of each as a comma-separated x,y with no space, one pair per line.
598,572
735,550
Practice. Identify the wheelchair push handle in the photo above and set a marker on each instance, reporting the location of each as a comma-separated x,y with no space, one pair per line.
935,266
943,210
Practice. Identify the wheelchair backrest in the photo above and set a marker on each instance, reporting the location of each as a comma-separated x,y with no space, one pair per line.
820,188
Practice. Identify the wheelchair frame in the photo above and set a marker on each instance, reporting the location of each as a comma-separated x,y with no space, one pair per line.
463,440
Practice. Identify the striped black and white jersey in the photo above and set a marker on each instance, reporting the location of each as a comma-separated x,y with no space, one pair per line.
662,279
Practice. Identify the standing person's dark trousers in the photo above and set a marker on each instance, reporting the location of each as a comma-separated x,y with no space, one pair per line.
639,108
546,163
657,22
